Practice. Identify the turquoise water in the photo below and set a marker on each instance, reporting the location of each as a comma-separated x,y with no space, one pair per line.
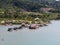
49,35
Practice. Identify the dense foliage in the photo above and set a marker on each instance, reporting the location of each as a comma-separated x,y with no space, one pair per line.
29,5
14,9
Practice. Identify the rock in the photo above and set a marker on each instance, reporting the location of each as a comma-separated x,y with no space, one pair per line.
19,27
2,22
33,26
15,28
10,29
45,24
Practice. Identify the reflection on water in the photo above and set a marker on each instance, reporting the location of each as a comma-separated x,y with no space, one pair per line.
49,35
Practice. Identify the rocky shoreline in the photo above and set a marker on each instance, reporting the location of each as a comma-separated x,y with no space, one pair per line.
29,26
33,24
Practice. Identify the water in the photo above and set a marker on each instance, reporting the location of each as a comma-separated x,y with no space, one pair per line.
49,35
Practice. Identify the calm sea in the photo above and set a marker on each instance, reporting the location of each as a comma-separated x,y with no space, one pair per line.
49,35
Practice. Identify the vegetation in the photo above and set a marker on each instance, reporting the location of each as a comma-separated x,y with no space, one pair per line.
28,10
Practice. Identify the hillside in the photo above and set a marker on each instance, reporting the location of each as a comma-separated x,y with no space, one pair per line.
45,10
29,5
